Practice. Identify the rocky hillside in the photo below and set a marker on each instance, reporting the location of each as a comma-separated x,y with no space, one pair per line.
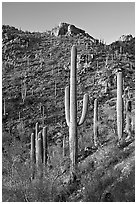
35,72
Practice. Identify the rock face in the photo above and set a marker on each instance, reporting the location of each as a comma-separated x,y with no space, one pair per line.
67,29
125,38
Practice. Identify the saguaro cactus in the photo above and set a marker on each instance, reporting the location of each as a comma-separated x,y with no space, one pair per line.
119,105
45,146
64,139
39,153
128,118
36,130
32,155
24,90
95,125
19,116
43,115
71,111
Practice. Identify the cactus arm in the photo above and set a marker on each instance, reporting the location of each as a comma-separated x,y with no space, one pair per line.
67,105
84,109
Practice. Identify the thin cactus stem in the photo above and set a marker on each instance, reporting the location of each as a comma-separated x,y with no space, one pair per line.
128,118
39,153
32,154
43,114
40,107
95,125
19,116
36,130
106,87
106,61
4,107
120,50
28,62
119,105
97,64
55,89
64,153
45,146
24,91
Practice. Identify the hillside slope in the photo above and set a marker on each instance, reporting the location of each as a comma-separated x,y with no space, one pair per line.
38,65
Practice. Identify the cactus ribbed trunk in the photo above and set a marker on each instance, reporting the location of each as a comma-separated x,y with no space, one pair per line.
19,116
36,130
45,146
128,118
119,105
32,155
73,140
39,154
64,154
4,107
95,125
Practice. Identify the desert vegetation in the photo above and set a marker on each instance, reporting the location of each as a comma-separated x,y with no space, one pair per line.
68,121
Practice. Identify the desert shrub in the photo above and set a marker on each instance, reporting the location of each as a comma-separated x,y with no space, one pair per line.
17,175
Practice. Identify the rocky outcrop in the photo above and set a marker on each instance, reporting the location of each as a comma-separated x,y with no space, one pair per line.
126,38
67,29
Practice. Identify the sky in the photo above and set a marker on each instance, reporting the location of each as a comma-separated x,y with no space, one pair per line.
102,20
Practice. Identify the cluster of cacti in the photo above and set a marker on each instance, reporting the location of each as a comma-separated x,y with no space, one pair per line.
39,139
38,150
71,111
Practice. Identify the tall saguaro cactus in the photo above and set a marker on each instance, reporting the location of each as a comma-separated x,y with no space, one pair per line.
95,125
119,105
71,111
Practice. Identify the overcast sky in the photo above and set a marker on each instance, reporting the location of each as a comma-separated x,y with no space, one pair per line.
103,20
